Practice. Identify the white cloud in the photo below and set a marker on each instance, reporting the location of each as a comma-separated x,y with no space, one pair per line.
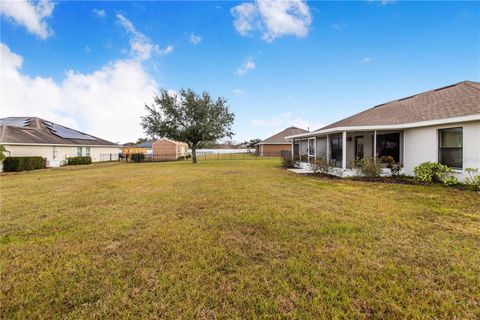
366,60
142,47
248,65
239,92
107,102
285,120
272,18
195,39
99,13
31,15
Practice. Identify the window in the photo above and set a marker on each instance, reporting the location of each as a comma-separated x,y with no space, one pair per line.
87,151
79,151
450,147
336,151
55,152
359,147
388,145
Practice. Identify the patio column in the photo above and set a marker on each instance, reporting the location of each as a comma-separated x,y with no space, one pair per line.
344,150
375,145
328,151
293,149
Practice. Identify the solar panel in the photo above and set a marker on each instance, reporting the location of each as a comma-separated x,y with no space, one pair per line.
13,121
67,133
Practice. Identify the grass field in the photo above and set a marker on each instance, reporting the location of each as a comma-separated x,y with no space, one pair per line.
233,239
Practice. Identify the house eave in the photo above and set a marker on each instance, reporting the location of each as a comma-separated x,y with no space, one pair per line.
472,117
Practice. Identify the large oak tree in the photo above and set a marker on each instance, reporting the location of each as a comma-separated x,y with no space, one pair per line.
188,117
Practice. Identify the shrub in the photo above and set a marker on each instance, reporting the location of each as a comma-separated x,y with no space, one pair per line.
17,164
137,157
188,156
320,166
79,160
473,178
304,158
288,162
367,167
435,172
395,167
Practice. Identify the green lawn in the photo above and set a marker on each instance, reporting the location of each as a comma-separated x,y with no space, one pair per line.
233,239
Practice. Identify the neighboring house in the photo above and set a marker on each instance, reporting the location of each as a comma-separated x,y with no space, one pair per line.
440,125
31,136
276,144
132,148
165,149
148,145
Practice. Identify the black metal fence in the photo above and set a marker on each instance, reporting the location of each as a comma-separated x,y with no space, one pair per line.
201,156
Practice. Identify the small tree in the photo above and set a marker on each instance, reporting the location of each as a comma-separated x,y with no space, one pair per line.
188,117
2,150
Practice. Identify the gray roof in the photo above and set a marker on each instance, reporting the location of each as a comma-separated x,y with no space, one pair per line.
146,144
279,138
460,99
33,130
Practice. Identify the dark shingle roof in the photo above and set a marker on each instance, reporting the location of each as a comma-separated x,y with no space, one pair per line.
279,138
33,130
146,144
456,100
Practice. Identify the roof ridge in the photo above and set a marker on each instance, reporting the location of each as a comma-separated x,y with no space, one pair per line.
469,83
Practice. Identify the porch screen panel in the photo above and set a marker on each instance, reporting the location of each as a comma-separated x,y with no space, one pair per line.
450,151
336,151
388,145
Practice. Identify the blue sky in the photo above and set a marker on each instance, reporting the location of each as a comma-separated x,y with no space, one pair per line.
93,65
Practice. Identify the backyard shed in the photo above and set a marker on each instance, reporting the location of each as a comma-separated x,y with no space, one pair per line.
166,149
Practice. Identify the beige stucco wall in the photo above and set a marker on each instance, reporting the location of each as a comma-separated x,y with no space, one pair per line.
421,145
62,152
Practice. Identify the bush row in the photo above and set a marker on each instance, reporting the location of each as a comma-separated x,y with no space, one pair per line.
79,160
17,164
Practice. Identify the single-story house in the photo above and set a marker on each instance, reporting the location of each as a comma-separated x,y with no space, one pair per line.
166,149
276,144
32,136
440,125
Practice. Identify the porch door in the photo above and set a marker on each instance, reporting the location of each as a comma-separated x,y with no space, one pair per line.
336,152
311,150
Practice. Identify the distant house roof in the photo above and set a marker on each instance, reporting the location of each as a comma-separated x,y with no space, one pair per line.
33,130
279,138
171,141
146,144
456,100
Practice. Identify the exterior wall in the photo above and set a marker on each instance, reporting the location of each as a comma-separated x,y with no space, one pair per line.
421,145
274,149
61,152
